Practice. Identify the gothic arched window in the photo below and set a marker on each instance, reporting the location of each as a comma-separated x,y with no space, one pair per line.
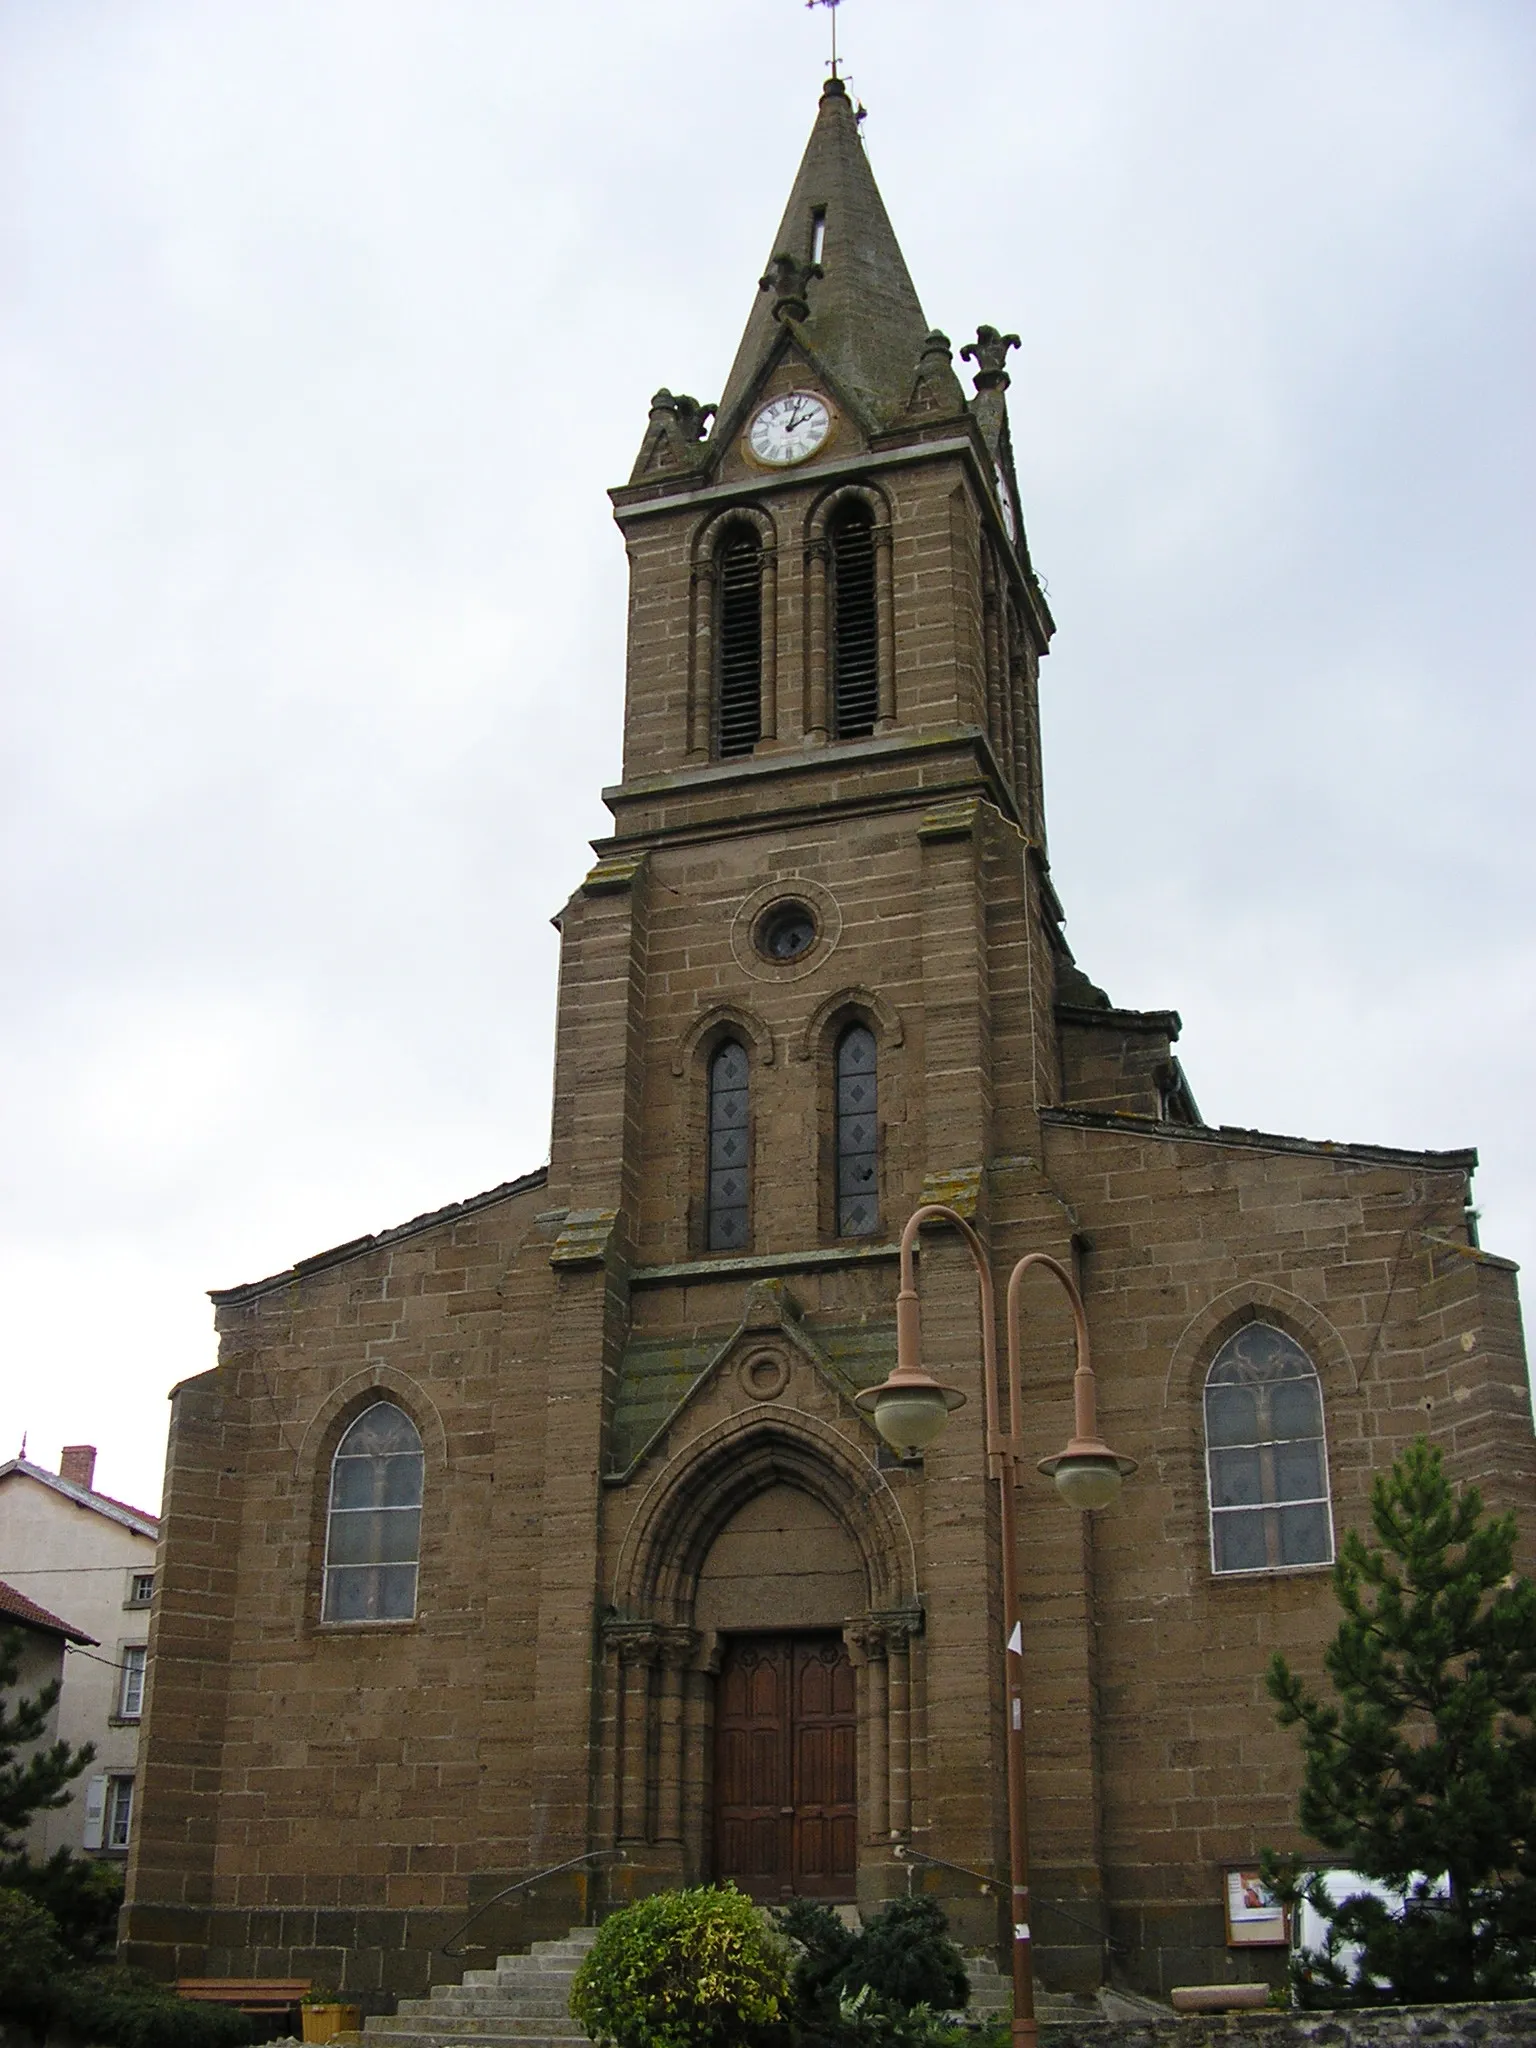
373,1524
727,1185
855,624
738,642
1266,1454
858,1134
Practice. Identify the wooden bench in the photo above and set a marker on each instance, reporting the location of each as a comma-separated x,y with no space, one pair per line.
251,1994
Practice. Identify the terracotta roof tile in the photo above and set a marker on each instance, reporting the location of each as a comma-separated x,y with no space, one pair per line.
19,1608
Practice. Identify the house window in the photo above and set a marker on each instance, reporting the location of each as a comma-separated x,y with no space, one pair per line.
858,1195
727,1196
1266,1455
855,624
141,1588
130,1691
738,643
119,1815
373,1529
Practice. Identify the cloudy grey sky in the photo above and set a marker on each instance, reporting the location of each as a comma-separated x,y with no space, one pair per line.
327,323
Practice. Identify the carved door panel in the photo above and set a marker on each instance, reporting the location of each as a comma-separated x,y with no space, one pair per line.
825,1769
786,1805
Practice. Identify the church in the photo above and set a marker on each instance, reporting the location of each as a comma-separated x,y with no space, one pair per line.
544,1537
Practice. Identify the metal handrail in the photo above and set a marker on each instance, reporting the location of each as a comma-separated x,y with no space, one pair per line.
996,1884
904,1854
451,1946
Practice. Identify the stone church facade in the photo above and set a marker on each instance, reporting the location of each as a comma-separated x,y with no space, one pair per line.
545,1528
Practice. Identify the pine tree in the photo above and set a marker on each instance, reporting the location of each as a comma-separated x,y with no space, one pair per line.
41,1781
1423,1776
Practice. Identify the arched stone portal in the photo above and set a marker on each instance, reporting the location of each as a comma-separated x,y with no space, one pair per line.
773,1545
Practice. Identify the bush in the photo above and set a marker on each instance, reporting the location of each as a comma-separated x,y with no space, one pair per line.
688,1969
31,1956
83,1895
126,2009
884,1982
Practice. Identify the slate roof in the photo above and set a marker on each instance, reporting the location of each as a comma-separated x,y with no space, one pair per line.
137,1519
865,322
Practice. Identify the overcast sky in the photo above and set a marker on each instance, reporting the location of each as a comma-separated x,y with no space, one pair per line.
328,322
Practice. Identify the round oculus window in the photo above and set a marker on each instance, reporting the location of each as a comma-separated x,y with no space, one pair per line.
785,932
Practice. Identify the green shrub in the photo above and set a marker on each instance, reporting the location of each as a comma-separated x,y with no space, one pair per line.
115,2008
688,1969
31,1956
884,1983
82,1893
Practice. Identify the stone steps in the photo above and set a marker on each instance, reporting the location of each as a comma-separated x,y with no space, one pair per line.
524,2002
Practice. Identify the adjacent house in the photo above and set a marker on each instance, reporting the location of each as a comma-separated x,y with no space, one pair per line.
44,1639
66,1547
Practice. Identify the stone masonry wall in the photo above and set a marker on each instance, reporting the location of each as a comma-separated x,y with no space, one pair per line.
1447,2026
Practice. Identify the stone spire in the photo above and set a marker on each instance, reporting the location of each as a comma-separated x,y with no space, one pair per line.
850,297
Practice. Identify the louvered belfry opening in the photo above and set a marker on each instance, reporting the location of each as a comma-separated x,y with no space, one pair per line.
739,643
855,624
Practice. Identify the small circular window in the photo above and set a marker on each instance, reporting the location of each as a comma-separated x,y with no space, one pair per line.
785,931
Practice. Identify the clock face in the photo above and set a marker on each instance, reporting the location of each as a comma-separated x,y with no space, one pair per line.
1005,501
790,428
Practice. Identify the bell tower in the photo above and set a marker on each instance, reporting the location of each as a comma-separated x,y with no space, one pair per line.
810,982
834,553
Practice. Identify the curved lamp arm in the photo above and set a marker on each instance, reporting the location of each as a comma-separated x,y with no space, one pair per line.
1088,1473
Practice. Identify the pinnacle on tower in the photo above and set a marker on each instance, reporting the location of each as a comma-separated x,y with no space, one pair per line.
836,269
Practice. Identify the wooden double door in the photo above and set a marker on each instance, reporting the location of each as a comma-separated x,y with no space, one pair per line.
786,1767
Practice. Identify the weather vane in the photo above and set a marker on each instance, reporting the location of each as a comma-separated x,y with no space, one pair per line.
831,7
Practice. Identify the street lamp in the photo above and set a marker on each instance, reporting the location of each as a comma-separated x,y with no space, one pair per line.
911,1408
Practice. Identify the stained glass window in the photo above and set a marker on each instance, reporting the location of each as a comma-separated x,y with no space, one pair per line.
1266,1455
373,1533
858,1194
728,1148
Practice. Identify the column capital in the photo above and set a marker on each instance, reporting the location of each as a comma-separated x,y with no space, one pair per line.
679,1648
637,1642
901,1626
866,1639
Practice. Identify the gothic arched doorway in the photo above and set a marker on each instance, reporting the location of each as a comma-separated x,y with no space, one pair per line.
776,1587
762,1633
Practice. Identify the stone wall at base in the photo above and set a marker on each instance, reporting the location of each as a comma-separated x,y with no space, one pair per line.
1388,2026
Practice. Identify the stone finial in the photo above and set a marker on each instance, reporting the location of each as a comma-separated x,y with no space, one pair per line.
787,278
692,418
988,351
673,432
936,389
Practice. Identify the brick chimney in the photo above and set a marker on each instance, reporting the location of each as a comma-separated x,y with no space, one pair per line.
77,1464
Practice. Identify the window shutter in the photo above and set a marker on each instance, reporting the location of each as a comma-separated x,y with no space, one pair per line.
95,1812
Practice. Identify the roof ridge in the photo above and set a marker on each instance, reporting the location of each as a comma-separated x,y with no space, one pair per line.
82,1496
354,1247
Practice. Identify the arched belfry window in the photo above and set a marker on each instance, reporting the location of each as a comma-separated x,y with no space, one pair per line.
1266,1454
728,1183
858,1134
855,623
738,642
373,1523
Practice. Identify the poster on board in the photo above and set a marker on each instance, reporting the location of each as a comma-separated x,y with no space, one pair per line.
1254,1918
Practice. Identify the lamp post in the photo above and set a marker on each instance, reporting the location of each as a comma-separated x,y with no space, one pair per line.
910,1409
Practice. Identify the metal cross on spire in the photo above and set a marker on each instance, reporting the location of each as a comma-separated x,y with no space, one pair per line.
831,7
